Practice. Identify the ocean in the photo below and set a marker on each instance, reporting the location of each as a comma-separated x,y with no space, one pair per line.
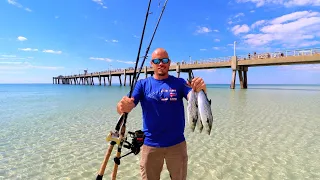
58,132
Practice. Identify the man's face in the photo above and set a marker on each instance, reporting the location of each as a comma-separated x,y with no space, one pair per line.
162,68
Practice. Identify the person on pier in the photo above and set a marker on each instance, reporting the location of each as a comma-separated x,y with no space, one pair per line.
161,98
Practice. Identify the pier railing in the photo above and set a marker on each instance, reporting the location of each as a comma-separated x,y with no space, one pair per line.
279,54
266,55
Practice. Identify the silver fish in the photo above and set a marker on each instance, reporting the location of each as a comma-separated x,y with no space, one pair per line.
192,110
199,123
204,106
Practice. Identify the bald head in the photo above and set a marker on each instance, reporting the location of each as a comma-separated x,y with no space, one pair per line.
160,53
160,69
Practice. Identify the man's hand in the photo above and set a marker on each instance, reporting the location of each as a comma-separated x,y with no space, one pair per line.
197,84
125,105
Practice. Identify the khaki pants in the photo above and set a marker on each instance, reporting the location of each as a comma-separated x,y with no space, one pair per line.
152,160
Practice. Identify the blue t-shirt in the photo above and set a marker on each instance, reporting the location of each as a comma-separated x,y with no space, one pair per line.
162,109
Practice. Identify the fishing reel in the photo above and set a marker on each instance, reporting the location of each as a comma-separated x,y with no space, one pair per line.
135,145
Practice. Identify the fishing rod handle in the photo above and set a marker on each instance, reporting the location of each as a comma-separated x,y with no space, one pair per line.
105,161
115,167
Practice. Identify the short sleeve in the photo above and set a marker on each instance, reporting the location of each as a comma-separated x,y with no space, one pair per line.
137,92
185,88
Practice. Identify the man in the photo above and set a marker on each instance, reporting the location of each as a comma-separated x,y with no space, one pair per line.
161,97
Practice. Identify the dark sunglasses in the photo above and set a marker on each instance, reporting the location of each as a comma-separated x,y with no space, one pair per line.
163,60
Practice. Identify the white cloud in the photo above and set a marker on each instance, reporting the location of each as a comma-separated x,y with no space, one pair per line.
12,57
15,3
294,16
101,59
111,60
235,19
27,49
218,48
238,15
11,72
12,62
8,56
13,65
285,3
307,67
217,40
257,23
202,30
127,62
203,49
21,38
294,30
51,51
113,40
237,29
101,3
252,11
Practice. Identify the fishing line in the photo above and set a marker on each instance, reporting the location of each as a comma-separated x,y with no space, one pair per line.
123,118
136,77
154,32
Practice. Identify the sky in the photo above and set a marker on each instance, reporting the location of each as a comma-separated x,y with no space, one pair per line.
43,39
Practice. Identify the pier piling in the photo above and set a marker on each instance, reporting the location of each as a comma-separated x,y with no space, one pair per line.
125,77
178,70
146,71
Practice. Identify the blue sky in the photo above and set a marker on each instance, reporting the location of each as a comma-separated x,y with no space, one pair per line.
42,39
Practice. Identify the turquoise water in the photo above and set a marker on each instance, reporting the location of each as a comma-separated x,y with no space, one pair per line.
58,132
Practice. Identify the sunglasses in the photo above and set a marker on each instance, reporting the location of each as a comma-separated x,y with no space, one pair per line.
164,61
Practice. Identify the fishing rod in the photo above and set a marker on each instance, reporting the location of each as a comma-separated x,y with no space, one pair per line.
124,117
135,78
137,136
114,137
154,32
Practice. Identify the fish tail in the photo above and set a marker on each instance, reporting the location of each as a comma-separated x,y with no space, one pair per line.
200,129
192,127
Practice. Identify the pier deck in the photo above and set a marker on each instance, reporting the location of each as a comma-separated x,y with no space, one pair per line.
236,63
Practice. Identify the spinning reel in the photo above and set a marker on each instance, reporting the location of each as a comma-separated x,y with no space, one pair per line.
136,142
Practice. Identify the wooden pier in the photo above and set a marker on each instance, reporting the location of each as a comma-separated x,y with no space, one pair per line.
238,64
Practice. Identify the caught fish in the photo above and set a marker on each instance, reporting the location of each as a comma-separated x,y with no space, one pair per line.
199,123
192,110
204,106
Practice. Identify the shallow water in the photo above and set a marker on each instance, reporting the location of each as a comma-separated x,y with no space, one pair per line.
59,131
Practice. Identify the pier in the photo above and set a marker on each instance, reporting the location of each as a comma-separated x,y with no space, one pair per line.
240,64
